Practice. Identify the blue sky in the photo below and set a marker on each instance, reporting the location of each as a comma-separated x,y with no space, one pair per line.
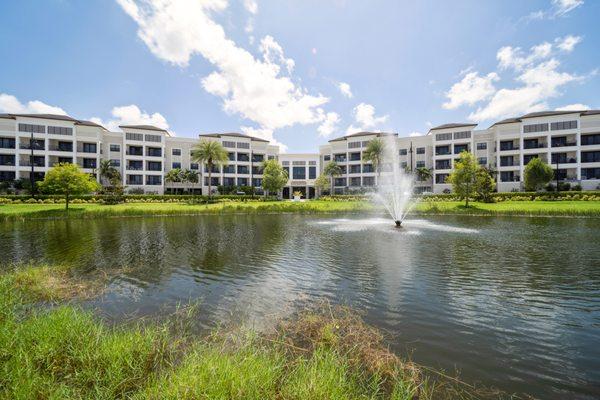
298,72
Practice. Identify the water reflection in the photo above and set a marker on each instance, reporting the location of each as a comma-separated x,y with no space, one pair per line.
512,302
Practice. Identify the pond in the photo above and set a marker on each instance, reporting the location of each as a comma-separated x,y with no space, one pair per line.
509,302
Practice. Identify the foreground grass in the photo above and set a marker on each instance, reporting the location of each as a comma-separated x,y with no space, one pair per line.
66,353
550,208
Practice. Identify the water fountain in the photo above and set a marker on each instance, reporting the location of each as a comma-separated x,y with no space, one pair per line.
395,189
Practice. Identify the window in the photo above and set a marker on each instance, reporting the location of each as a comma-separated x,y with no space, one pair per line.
176,165
443,136
271,157
153,151
135,165
154,165
532,144
590,173
340,157
442,164
368,181
89,163
194,166
508,145
243,169
7,143
176,152
327,157
507,161
231,145
153,179
459,148
256,170
365,143
339,182
528,157
60,130
441,178
355,156
559,126
287,170
590,156
298,173
482,146
7,176
135,150
115,163
7,159
312,172
214,181
242,181
38,161
135,179
258,158
134,136
63,160
368,168
229,169
355,169
420,150
482,160
64,146
587,140
228,181
115,147
243,157
535,128
355,181
32,128
354,145
507,176
462,135
153,138
243,145
420,164
442,150
89,147
257,182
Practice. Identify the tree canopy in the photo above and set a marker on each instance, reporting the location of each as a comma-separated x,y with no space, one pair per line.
332,169
374,153
67,179
274,176
537,174
464,176
210,153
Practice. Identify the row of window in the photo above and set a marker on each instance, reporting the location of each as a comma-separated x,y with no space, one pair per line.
228,181
354,181
139,180
233,145
420,150
300,172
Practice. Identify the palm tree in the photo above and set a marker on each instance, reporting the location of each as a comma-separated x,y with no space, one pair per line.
190,176
211,153
108,173
374,154
173,176
423,174
332,169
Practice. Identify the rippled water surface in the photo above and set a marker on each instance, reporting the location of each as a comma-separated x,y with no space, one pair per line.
510,302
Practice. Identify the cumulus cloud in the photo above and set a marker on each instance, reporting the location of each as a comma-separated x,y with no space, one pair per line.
251,6
345,89
10,104
365,118
558,8
574,107
131,115
470,90
259,90
415,134
568,43
329,125
263,133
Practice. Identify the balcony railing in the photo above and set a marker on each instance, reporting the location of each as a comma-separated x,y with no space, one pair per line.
134,153
564,144
509,148
35,146
133,168
535,146
35,164
65,149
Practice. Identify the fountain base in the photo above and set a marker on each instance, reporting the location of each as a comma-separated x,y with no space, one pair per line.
398,224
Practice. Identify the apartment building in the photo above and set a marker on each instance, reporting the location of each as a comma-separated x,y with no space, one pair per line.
567,140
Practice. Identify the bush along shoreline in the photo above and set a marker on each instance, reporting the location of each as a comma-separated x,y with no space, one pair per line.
323,353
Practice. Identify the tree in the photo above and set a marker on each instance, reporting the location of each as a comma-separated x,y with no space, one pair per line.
68,179
190,176
484,184
321,183
108,174
173,176
464,176
274,176
537,174
423,173
211,153
332,169
374,154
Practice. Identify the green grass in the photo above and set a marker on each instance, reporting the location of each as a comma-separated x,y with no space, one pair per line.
64,352
559,208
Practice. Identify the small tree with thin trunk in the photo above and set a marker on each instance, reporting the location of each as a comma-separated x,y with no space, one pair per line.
68,180
321,183
374,154
423,173
210,153
274,177
484,184
173,176
537,174
464,176
332,169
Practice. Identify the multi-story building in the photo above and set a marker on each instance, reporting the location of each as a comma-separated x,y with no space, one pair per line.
567,140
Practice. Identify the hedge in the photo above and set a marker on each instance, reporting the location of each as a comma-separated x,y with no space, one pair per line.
129,198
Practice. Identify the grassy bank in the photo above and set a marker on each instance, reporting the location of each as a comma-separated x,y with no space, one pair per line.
558,208
66,353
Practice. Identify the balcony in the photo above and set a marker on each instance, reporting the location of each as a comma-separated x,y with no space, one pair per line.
564,144
134,168
59,148
35,164
509,148
527,146
24,146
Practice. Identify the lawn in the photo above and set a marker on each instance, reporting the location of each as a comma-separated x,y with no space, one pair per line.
557,208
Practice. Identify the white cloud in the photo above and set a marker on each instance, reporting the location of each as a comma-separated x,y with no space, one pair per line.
345,89
131,115
10,104
574,107
470,90
249,28
254,88
568,43
513,57
415,134
364,115
559,8
263,133
329,125
251,6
